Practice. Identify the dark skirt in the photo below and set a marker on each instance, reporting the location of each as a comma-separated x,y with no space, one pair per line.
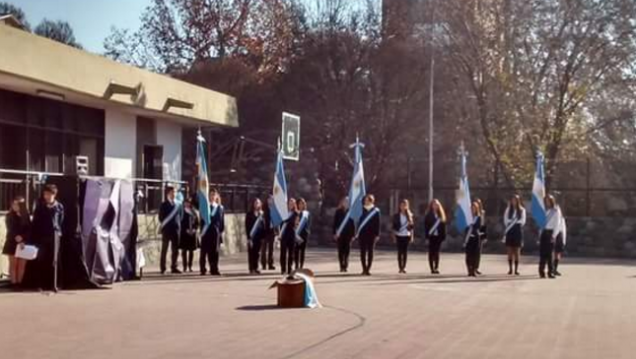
9,247
559,246
514,237
188,242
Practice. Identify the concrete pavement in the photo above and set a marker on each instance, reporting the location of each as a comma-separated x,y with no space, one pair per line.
587,313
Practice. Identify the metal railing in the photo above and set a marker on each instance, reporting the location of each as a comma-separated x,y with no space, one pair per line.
236,197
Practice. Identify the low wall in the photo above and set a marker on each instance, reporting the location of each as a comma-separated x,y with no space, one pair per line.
234,239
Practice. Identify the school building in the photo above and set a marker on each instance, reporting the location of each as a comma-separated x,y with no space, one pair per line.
58,102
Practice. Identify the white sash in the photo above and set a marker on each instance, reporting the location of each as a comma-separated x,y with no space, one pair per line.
470,230
303,222
512,224
255,226
205,228
343,224
367,219
170,217
434,228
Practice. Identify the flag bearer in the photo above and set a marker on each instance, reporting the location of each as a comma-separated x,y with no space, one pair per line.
368,232
170,213
549,236
213,237
288,237
472,240
302,233
343,236
256,229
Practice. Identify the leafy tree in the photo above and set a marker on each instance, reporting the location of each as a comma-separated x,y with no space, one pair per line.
60,31
9,9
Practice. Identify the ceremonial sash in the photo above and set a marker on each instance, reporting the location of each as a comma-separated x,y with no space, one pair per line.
303,222
404,226
470,230
434,228
343,223
255,226
512,224
284,226
205,228
367,219
170,217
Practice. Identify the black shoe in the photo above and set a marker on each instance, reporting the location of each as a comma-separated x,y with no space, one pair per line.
542,275
557,273
203,272
517,273
477,272
215,273
551,276
175,271
163,272
510,272
272,268
257,272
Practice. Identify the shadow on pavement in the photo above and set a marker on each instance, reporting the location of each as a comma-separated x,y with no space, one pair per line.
258,308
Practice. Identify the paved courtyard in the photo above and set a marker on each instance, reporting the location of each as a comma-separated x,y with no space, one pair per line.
588,313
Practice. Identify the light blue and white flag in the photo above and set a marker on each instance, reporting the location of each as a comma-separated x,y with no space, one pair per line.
203,184
538,193
357,190
279,211
463,213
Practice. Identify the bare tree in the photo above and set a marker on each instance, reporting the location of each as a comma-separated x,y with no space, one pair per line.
60,31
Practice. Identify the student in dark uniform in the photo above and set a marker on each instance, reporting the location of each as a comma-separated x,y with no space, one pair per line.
46,231
435,233
514,220
483,234
368,232
548,237
288,237
472,240
403,226
188,242
302,233
170,213
267,247
559,245
212,239
343,233
18,226
255,228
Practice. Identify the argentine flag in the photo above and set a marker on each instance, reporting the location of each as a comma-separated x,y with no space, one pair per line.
279,211
358,189
203,184
538,193
463,213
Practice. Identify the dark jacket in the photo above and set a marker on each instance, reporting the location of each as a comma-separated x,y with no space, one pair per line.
475,231
429,221
397,224
261,230
371,229
47,222
217,223
16,226
173,227
289,225
349,230
306,230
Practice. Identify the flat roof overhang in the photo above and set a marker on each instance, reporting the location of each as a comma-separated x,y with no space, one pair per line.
38,66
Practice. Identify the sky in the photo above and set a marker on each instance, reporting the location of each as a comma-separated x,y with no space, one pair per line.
91,20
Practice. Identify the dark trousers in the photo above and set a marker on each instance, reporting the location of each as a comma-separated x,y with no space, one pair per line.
472,256
299,254
434,246
187,256
344,248
253,253
546,247
403,250
480,248
267,252
172,241
367,246
209,254
286,256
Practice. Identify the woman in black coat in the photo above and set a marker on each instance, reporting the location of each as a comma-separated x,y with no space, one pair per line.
18,229
472,242
368,233
256,229
343,233
435,233
188,241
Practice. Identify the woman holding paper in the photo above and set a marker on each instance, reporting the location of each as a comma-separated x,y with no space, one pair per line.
255,227
403,226
514,220
18,229
435,233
